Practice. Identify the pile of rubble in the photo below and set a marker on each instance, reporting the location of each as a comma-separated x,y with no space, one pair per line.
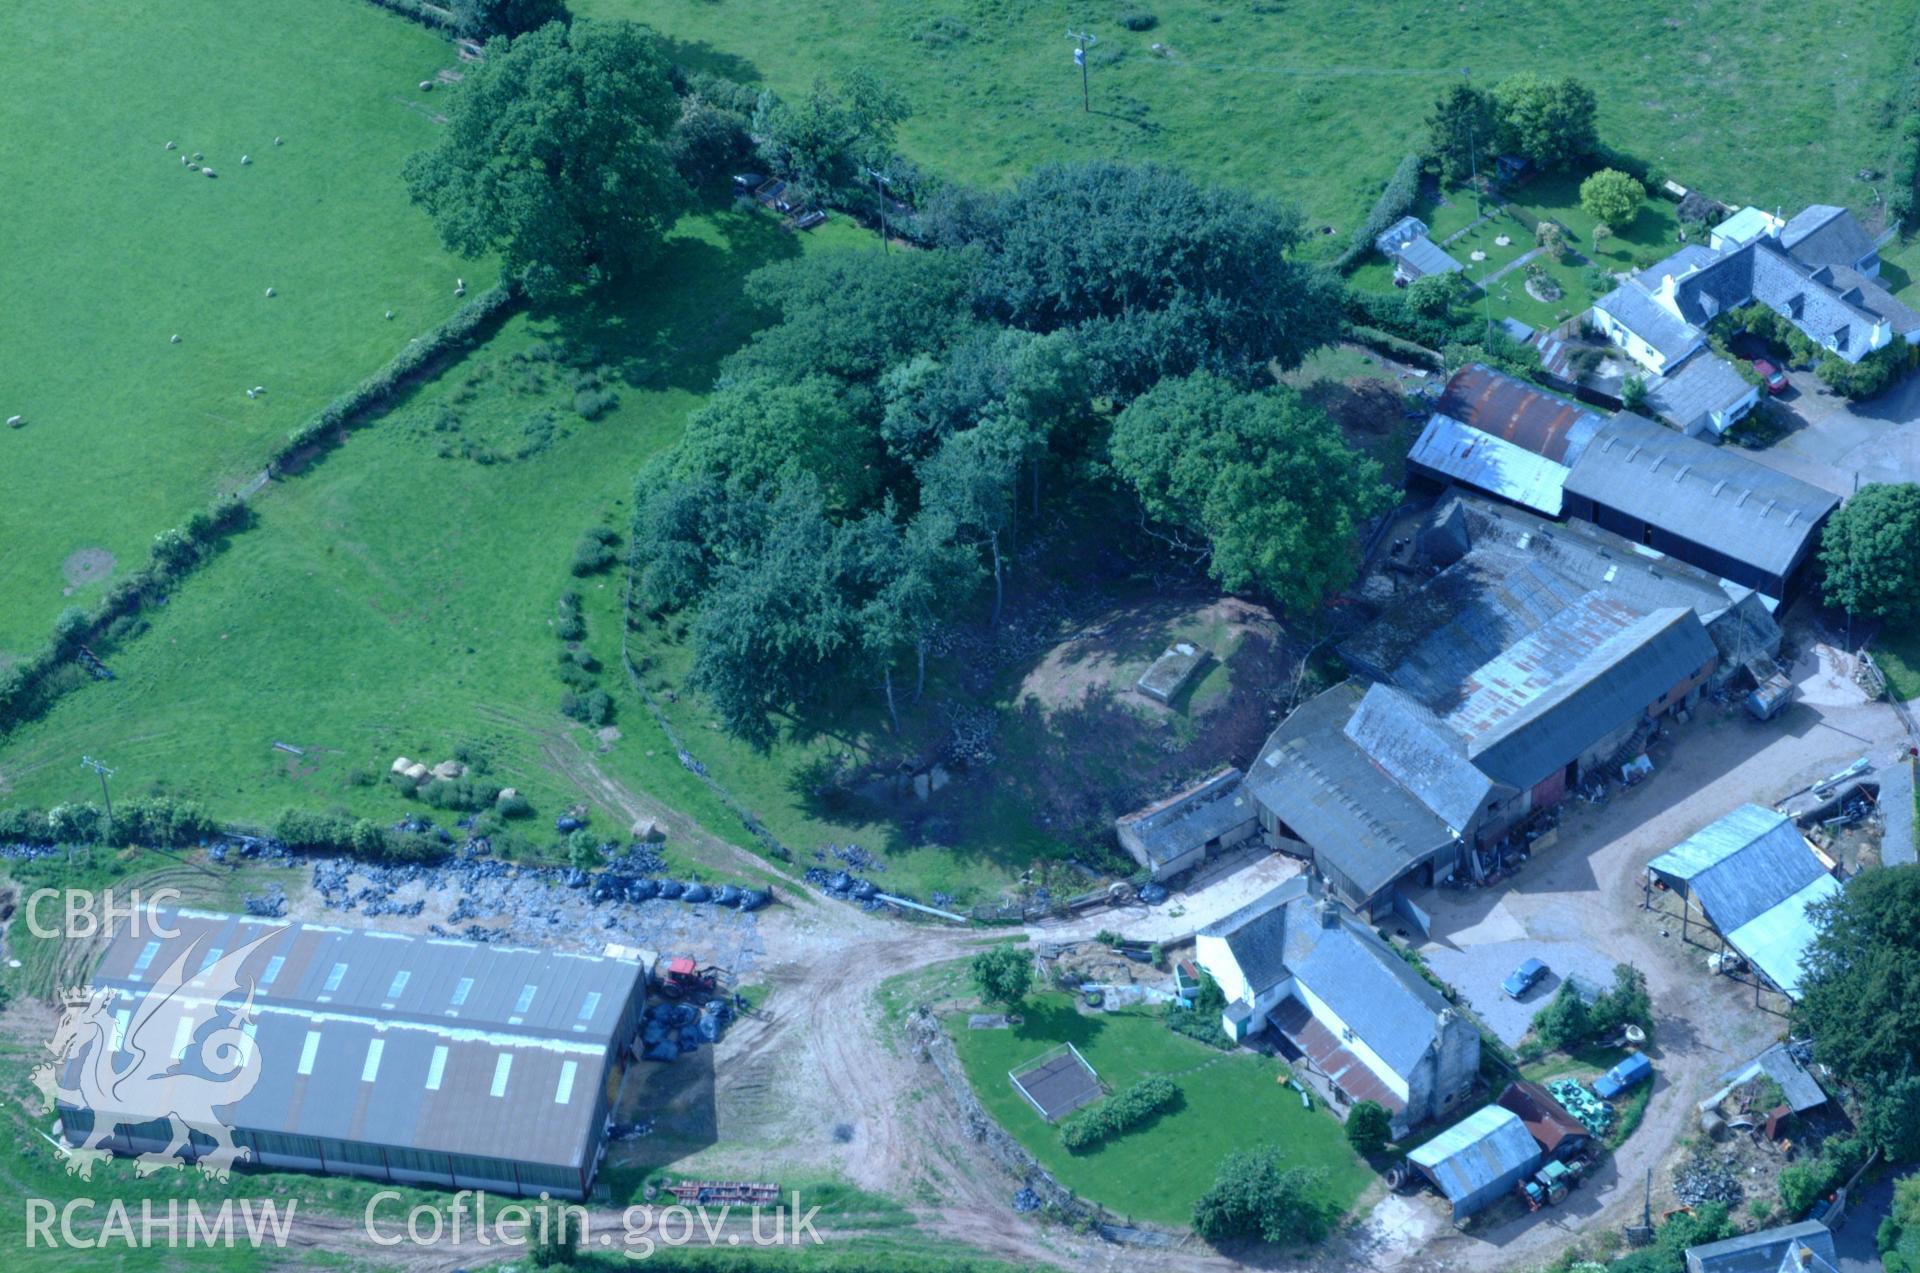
1705,1178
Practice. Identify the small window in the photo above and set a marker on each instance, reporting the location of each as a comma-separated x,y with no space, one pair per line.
564,1092
211,958
436,1068
501,1068
590,1006
308,1050
371,1069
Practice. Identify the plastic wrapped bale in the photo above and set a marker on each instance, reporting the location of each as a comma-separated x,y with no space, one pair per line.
696,893
659,1011
840,882
684,1014
710,1028
653,1033
607,887
566,825
1153,894
576,878
689,1038
670,888
727,895
641,890
863,890
665,1050
753,899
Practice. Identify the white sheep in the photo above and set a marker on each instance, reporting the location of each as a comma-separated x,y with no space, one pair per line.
259,388
276,141
209,172
250,393
176,339
170,146
389,314
15,421
269,291
185,162
245,160
197,156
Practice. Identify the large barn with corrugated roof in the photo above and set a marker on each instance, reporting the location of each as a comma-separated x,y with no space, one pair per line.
410,1059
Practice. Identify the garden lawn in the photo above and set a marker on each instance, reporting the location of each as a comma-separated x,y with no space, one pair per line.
1231,1100
1316,101
1900,270
396,598
113,247
1897,651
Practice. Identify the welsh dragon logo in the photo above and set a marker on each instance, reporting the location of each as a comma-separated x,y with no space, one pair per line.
128,1067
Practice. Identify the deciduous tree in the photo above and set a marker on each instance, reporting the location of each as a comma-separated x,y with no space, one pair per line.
1612,197
1550,121
1002,974
1870,553
1461,133
1256,1195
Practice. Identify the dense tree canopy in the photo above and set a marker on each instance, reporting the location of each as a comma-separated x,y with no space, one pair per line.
1860,993
828,139
1264,479
1256,1195
1550,121
1612,197
1164,277
1002,974
484,19
1870,553
554,155
1461,133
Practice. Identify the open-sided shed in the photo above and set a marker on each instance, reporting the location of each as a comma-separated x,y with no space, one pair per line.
1479,1158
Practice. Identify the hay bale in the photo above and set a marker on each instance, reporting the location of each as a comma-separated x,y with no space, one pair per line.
400,765
647,830
449,769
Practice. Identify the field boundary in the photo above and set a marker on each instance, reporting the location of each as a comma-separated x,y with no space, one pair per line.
30,687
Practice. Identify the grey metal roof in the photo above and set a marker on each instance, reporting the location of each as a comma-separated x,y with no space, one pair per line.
1489,1149
1460,453
1763,1252
1599,665
1712,496
1406,241
1188,819
1756,878
1822,234
482,1050
1703,385
1802,1091
1418,750
1357,819
1591,559
1651,322
1359,978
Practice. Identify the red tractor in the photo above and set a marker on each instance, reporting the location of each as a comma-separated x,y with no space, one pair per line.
680,978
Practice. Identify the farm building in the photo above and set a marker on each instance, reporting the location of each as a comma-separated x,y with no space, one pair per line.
414,1060
1343,1001
1503,436
1707,505
1479,1159
1176,834
1798,1088
1413,254
1704,397
1806,1247
1559,1134
1755,878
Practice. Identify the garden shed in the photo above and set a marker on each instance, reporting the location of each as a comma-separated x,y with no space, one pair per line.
1478,1159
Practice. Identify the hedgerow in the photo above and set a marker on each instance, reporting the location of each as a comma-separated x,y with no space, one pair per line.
1118,1114
1394,202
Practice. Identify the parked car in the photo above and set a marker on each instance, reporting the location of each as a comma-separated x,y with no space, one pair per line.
1623,1076
1776,379
1524,978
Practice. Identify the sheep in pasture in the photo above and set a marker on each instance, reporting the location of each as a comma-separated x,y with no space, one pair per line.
276,141
245,160
251,394
269,291
170,146
210,172
15,421
176,338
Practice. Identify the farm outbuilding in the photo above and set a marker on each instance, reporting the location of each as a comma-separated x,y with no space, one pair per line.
1559,1134
1806,1247
1501,435
1177,833
410,1060
1478,1159
1755,879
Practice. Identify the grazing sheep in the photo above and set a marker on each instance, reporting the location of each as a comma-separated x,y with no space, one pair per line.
170,146
185,162
210,172
197,156
250,393
15,421
269,291
389,314
426,86
176,338
245,160
276,141
259,388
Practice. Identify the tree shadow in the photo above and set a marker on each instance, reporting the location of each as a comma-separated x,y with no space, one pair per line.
1053,1022
671,327
698,55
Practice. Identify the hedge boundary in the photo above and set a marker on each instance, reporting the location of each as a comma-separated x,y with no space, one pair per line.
1118,1114
431,16
32,685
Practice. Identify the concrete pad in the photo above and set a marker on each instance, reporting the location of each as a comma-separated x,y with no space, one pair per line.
1476,971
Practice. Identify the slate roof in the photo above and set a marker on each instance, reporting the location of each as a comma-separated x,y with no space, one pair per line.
1822,234
1764,1252
1421,753
1315,779
1599,665
1505,407
1289,931
483,1050
1875,298
1640,314
1691,257
1802,1091
1703,385
1459,453
1710,495
1406,241
1755,876
1480,1150
1184,821
1832,311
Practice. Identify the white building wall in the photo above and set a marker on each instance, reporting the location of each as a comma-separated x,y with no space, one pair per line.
1353,1042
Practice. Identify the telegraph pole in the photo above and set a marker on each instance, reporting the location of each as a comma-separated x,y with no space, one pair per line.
99,767
1083,41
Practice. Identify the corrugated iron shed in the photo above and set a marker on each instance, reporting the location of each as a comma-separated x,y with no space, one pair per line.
1170,828
1511,409
1479,1158
1451,451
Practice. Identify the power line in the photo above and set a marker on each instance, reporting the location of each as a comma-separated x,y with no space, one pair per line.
99,767
1084,41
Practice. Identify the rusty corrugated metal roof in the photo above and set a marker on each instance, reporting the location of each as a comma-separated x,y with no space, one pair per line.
1498,404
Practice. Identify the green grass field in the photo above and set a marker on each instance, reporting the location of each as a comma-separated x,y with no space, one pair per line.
113,247
1317,100
1231,1101
396,597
